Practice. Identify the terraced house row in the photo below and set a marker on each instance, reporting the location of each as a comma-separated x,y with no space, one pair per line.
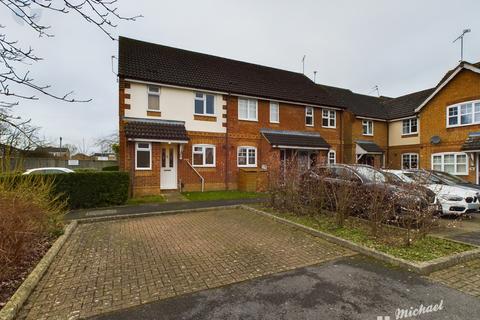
193,121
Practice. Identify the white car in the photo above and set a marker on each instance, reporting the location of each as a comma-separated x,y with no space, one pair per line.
455,200
48,170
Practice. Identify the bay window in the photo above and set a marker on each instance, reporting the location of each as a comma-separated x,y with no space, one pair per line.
451,162
463,114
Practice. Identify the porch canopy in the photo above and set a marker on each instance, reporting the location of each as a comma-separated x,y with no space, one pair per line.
472,143
155,130
367,148
285,139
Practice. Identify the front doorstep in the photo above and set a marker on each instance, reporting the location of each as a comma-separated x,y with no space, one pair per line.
15,303
423,268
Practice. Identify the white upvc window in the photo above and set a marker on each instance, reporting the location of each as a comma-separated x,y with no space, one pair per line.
309,120
463,114
204,104
154,98
367,126
332,157
410,126
246,156
203,155
329,118
247,109
143,156
409,161
451,162
274,112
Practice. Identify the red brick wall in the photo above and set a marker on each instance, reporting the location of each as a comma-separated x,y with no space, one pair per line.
433,117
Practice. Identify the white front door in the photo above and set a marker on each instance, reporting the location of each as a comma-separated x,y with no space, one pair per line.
168,166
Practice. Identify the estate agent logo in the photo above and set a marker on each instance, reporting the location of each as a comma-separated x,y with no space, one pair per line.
414,312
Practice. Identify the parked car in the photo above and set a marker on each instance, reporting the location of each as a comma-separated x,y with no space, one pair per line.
455,200
451,179
49,170
365,180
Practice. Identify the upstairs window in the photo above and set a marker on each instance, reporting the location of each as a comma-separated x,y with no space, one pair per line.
409,161
247,157
452,162
203,155
153,98
274,112
463,114
367,127
204,103
309,116
410,126
143,158
328,118
247,109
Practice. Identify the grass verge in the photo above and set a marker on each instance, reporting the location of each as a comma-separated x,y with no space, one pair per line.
222,195
146,199
422,250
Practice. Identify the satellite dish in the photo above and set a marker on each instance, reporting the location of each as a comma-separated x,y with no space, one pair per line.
435,140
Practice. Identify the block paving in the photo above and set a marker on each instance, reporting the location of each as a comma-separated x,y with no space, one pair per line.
464,277
111,265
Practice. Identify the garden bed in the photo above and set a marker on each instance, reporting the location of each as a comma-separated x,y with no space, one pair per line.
356,231
12,278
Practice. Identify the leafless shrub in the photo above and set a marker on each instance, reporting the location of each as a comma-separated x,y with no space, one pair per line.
29,213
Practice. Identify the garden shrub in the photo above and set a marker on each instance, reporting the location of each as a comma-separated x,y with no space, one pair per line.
110,168
86,189
30,213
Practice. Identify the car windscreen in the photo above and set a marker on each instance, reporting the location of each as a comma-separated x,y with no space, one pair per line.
393,178
449,177
423,177
371,174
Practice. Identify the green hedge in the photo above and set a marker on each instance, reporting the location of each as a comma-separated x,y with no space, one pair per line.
91,189
110,168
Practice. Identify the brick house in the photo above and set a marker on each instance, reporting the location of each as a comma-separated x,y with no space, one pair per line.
193,121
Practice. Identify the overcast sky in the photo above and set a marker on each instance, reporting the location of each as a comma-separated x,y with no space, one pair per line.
401,46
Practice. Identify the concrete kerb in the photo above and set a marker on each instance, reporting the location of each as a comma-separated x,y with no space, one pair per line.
155,213
423,268
10,310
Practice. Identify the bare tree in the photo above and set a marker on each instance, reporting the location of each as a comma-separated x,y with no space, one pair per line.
108,143
15,83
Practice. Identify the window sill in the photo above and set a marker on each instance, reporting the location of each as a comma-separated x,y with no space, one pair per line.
368,135
246,166
275,122
203,166
408,135
250,120
203,117
329,127
152,113
143,169
309,125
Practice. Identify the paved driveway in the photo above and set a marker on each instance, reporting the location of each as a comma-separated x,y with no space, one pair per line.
353,288
112,265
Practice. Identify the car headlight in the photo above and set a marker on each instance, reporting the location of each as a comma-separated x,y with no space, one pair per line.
449,197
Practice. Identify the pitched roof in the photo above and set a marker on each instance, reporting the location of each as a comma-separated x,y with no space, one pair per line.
404,106
155,129
369,146
359,104
157,63
295,139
